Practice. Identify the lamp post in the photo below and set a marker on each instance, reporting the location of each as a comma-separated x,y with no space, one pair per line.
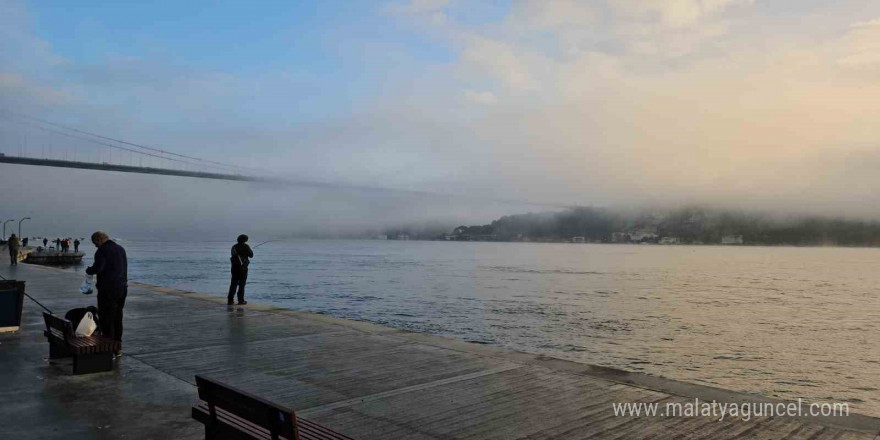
19,226
4,228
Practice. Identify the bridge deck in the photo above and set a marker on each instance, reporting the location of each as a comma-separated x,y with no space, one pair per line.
56,163
367,381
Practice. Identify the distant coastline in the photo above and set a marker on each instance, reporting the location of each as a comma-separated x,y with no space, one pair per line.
683,226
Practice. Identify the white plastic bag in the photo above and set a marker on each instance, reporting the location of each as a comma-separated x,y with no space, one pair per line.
86,287
86,326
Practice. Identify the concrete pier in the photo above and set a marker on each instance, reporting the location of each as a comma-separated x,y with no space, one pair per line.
367,381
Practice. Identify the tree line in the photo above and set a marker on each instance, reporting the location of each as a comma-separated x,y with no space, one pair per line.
689,225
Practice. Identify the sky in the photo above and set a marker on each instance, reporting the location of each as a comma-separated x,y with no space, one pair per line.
744,104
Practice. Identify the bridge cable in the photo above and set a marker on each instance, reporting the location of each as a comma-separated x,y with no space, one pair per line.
158,150
109,145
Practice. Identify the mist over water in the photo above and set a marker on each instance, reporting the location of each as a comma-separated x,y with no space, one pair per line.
784,322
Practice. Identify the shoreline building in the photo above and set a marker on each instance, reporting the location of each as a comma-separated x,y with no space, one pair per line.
732,239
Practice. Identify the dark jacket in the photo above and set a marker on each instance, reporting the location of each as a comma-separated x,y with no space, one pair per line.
111,267
241,254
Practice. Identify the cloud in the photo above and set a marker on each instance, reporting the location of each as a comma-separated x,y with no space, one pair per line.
501,60
483,97
860,46
676,13
17,91
601,102
668,104
556,14
424,11
20,46
419,6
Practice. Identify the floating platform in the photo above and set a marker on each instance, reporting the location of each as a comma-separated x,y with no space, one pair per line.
51,257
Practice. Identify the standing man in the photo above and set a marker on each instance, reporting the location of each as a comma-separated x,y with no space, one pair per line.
76,245
111,267
13,250
45,242
241,254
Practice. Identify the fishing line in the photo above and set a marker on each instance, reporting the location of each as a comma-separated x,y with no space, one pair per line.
38,303
32,299
270,241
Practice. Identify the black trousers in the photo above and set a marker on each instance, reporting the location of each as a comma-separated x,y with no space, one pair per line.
13,256
110,304
239,279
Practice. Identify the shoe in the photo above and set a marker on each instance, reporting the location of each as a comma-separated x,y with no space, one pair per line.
229,303
241,303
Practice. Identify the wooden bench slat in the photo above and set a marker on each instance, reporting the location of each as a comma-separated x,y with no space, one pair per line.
90,353
307,430
247,406
228,418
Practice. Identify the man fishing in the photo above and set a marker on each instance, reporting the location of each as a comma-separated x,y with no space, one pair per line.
241,255
111,267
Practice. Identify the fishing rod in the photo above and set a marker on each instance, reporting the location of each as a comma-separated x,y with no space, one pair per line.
38,303
268,241
32,299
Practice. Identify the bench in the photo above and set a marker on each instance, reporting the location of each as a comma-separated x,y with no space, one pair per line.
91,354
228,413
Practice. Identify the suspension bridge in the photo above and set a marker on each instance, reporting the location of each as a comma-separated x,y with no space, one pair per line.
33,141
26,140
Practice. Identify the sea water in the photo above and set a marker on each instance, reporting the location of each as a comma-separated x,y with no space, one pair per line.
779,321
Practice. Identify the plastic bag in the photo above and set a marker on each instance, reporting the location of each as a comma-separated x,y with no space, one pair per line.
86,287
86,326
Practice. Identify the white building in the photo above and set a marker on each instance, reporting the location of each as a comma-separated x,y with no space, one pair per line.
620,237
642,236
732,239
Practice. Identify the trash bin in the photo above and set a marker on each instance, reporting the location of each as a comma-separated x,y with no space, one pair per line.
11,300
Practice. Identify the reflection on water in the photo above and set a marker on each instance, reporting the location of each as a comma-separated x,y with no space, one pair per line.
784,322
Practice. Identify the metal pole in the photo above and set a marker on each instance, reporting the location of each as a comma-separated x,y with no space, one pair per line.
19,226
4,227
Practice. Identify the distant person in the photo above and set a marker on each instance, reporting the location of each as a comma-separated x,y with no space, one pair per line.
76,245
24,241
57,244
13,245
241,254
111,268
45,242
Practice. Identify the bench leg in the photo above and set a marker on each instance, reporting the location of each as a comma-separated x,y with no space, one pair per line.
92,363
57,351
